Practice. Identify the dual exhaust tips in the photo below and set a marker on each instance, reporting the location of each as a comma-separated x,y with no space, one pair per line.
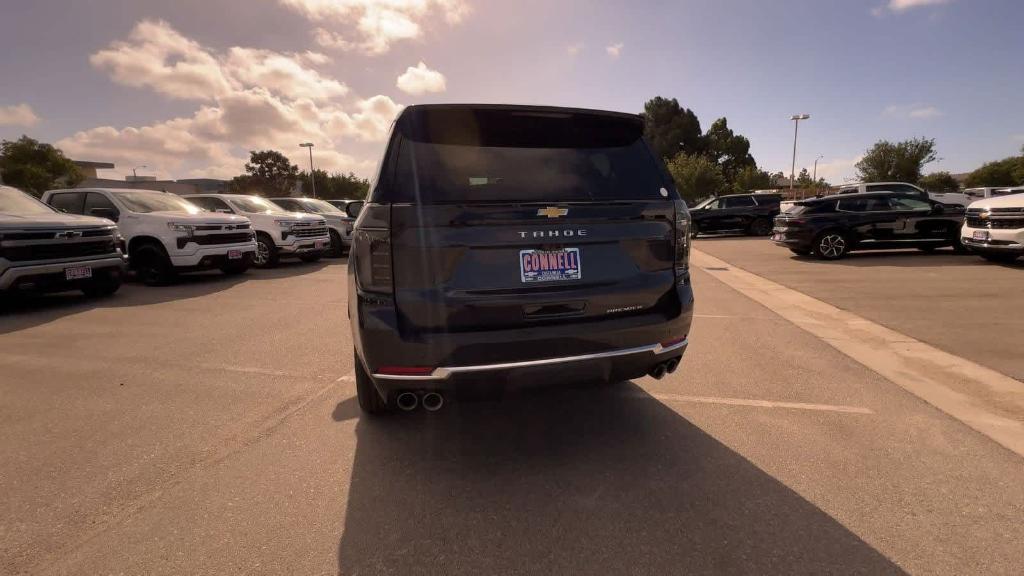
409,401
666,367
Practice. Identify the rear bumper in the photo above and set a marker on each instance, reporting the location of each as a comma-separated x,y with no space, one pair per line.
50,275
608,350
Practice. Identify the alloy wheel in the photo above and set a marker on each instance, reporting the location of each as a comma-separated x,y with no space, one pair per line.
832,246
262,254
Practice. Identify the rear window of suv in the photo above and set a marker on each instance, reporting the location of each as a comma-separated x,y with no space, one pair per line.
472,155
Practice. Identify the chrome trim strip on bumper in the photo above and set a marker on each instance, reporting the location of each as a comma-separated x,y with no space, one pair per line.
972,243
9,276
444,373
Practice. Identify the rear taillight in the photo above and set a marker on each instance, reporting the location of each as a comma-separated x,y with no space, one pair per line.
682,240
405,370
373,260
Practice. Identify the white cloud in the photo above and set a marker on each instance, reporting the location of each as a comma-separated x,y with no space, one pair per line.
574,49
615,50
18,115
1018,137
281,74
255,99
379,23
915,111
157,56
900,6
420,80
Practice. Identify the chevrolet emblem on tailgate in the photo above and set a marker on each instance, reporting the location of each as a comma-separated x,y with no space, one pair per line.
552,212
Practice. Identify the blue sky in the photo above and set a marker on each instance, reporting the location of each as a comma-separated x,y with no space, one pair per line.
187,87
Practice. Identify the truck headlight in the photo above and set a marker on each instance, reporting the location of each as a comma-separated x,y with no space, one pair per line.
285,224
187,229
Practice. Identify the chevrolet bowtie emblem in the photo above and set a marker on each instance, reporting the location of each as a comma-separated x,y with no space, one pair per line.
552,212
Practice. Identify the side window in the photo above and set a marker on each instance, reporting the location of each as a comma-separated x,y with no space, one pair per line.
201,202
852,205
877,204
713,205
882,188
910,204
70,202
99,205
215,204
740,202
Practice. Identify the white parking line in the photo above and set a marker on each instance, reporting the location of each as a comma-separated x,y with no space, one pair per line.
973,394
756,403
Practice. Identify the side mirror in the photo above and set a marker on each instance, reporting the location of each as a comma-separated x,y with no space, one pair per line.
223,211
938,209
352,209
108,213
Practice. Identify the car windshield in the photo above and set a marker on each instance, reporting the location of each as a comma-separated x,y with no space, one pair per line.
16,202
319,206
254,204
145,202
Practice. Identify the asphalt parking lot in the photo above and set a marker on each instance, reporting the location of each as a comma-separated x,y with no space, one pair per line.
212,427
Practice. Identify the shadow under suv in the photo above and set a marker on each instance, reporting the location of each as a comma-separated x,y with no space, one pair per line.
515,245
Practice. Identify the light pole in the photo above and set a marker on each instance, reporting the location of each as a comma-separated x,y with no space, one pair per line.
134,175
796,118
815,177
312,181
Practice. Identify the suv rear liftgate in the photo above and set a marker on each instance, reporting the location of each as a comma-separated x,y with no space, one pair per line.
518,245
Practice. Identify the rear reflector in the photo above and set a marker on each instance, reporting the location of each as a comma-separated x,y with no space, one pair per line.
672,342
405,370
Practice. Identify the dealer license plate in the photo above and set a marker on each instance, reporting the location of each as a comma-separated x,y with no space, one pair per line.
981,235
77,273
550,265
234,254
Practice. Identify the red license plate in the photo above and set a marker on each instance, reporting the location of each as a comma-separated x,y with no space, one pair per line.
234,254
77,273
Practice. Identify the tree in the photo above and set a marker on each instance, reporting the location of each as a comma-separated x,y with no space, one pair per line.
337,186
1005,172
696,177
727,149
751,178
36,167
803,179
671,129
939,182
899,162
268,173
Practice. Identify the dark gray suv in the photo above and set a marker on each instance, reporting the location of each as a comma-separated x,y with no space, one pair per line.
515,245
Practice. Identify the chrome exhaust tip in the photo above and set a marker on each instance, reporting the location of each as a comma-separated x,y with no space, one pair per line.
432,401
407,401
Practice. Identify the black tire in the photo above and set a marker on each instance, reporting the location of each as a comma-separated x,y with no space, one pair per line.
800,251
101,287
311,257
760,227
1000,258
831,245
370,401
152,265
266,252
337,246
694,229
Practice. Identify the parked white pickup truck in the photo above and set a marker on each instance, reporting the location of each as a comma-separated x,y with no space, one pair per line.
44,250
339,223
948,198
994,228
279,233
165,233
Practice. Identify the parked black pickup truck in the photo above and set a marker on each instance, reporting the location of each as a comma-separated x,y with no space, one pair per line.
747,213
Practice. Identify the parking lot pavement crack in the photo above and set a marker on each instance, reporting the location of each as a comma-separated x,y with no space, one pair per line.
986,400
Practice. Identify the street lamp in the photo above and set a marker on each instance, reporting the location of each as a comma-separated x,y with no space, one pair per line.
312,181
134,175
815,177
796,118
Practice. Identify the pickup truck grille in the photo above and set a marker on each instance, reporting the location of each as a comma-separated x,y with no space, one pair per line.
215,239
219,227
995,218
57,251
313,232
